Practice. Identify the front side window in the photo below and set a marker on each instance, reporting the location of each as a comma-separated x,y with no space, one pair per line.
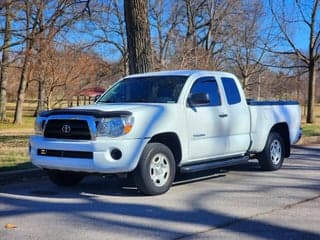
156,89
209,86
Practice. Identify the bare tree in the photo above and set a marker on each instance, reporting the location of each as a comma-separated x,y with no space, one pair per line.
165,18
66,73
5,61
113,33
245,52
193,10
138,35
38,22
30,32
305,14
209,25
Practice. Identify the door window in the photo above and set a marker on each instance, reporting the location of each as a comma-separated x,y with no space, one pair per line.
209,86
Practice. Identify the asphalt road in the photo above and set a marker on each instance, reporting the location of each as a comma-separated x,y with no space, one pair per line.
237,203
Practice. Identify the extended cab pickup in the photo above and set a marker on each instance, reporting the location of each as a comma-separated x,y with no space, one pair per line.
150,126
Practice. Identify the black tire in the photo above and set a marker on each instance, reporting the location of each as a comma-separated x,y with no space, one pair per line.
156,169
65,178
272,156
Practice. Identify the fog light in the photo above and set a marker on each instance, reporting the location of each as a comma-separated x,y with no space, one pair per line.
116,154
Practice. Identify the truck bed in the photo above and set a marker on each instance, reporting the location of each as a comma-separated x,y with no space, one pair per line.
264,114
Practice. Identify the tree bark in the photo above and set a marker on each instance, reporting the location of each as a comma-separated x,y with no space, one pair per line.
311,92
5,63
24,77
41,98
138,36
245,81
25,71
191,36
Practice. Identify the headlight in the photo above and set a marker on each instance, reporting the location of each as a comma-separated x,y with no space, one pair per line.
39,125
114,127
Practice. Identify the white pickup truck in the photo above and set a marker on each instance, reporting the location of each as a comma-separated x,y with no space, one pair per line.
152,125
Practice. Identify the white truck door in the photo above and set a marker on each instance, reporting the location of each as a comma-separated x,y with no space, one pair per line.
207,124
238,117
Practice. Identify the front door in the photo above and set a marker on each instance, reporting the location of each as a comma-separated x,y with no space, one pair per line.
207,124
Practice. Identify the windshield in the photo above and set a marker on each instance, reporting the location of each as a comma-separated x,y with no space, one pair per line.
156,89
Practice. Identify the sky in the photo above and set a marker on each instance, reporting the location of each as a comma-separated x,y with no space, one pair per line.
299,31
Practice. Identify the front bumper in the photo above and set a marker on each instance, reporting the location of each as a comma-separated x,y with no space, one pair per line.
101,160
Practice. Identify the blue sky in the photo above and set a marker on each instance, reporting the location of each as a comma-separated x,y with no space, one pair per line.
300,33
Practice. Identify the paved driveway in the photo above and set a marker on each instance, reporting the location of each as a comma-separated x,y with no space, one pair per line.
237,203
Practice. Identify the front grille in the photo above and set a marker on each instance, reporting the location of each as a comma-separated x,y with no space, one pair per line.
65,154
67,129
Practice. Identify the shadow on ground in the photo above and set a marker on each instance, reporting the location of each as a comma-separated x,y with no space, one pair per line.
106,203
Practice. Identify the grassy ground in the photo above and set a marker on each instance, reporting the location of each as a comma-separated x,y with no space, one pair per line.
14,144
14,140
14,152
310,130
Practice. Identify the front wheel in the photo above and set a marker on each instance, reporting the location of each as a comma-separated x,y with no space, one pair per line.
156,169
272,156
65,178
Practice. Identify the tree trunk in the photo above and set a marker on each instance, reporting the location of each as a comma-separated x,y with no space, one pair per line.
26,71
191,36
22,89
5,64
311,92
245,81
41,98
138,36
49,101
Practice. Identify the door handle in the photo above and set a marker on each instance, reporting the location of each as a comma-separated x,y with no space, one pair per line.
223,115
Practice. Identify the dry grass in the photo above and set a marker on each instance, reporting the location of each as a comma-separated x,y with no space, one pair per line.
14,152
316,112
14,140
311,132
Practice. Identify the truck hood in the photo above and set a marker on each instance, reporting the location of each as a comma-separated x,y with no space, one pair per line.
149,118
106,110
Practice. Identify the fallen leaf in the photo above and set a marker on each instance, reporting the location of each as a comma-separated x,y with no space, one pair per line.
9,226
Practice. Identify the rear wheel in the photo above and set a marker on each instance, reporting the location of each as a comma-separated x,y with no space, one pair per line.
156,169
272,156
65,178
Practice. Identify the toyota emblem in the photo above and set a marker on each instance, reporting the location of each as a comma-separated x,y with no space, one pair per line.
66,129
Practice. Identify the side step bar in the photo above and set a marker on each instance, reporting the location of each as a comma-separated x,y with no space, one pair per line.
196,167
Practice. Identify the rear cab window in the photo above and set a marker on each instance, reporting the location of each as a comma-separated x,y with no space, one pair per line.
231,90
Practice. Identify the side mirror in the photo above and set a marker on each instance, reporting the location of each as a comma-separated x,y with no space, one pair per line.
96,98
199,99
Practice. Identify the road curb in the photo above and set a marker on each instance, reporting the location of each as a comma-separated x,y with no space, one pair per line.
20,175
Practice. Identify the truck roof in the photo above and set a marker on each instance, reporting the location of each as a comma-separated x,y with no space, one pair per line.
187,73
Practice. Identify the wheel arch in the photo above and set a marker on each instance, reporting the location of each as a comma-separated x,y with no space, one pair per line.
172,141
283,130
